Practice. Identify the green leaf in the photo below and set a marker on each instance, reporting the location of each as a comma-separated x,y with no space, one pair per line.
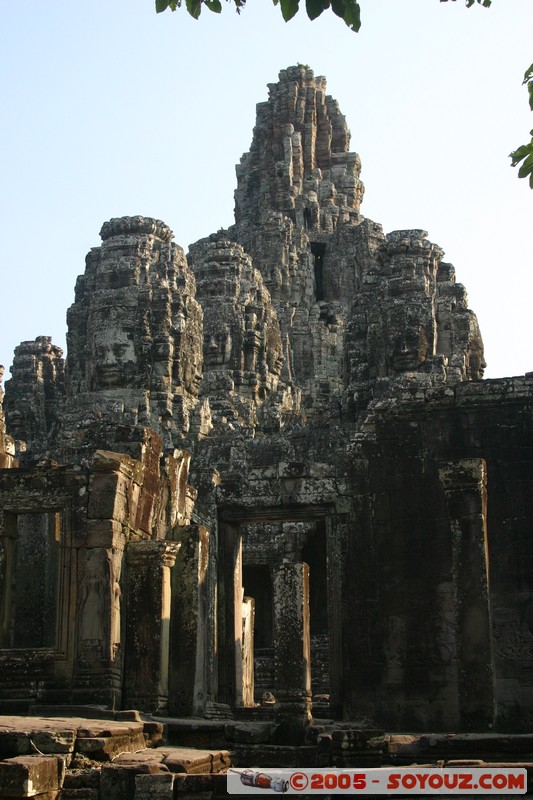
349,11
530,90
288,8
161,5
527,167
214,5
520,153
525,170
352,14
315,8
338,8
528,74
194,7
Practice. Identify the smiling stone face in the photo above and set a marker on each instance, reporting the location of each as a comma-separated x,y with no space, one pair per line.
113,357
409,348
217,345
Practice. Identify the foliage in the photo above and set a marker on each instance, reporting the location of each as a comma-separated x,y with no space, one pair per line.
347,10
525,152
485,3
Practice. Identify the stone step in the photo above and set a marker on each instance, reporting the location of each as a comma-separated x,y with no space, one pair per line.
179,759
195,732
96,739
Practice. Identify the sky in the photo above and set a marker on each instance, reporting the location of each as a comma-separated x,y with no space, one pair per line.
109,109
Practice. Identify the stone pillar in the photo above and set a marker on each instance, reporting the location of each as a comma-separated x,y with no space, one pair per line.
189,628
292,659
248,615
148,601
238,596
465,486
230,596
98,651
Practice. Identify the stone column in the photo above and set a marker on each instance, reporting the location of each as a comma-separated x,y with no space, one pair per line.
465,486
292,654
148,600
238,596
248,616
230,596
98,649
189,624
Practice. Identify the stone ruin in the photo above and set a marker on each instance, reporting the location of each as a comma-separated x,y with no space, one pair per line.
269,480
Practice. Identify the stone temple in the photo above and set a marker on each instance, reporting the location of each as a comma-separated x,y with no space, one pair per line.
269,486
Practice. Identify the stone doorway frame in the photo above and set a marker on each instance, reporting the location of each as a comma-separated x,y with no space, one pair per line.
228,675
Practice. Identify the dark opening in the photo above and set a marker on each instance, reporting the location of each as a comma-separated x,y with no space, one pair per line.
314,553
257,583
318,249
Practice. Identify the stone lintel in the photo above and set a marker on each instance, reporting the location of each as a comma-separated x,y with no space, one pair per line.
162,552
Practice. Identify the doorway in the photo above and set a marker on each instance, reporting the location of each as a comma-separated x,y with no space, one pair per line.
251,545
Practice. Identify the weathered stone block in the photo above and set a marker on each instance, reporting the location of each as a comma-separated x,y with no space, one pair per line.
83,793
51,742
249,733
14,744
105,533
27,776
117,782
87,778
105,748
199,786
154,787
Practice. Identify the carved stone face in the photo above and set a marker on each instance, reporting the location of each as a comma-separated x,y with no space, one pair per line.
114,364
476,365
192,377
475,357
274,350
275,362
410,350
217,347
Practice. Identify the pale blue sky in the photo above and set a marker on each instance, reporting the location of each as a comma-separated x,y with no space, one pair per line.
108,109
